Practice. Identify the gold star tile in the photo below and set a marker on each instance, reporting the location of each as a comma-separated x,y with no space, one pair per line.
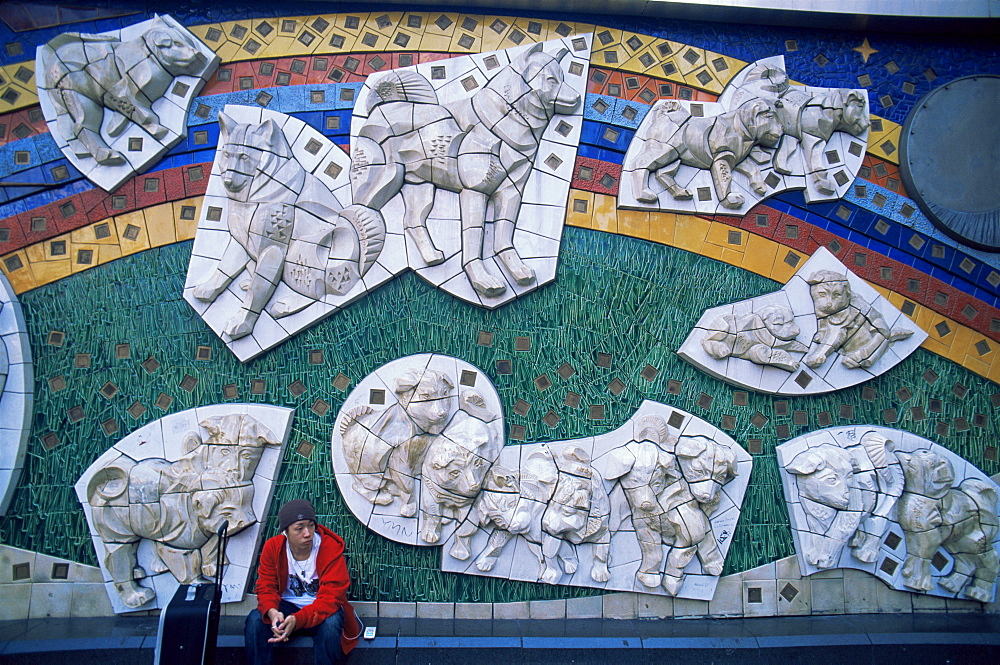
865,50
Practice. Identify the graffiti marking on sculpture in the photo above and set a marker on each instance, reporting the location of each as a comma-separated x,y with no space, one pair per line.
890,503
845,329
935,513
178,505
136,84
773,134
419,464
846,323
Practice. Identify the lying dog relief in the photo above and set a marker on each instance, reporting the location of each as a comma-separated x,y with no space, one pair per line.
419,456
891,503
115,102
155,501
826,329
764,135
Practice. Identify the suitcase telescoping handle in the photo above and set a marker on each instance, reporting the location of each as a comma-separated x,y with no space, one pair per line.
214,610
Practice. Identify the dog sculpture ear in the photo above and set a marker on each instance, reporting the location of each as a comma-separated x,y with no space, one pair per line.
620,462
561,54
268,135
691,446
805,463
226,126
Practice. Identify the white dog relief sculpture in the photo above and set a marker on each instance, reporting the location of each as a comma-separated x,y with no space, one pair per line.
155,501
459,170
413,445
276,249
474,156
17,386
649,507
116,102
775,135
826,329
895,505
419,456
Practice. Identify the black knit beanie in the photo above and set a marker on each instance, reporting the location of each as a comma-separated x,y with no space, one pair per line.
293,511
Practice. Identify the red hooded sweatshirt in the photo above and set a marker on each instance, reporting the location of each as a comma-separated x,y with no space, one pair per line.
331,568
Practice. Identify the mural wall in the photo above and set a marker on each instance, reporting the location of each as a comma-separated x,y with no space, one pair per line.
622,319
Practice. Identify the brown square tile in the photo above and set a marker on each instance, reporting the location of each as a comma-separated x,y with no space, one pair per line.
728,422
50,440
484,338
758,420
800,418
57,383
676,419
740,398
136,410
596,412
572,399
505,367
616,387
230,391
258,387
320,407
188,383
203,353
755,446
602,359
781,407
109,390
81,360
649,372
468,378
551,419
522,344
150,364
543,382
521,407
341,381
705,401
75,413
565,371
305,449
847,411
163,401
674,388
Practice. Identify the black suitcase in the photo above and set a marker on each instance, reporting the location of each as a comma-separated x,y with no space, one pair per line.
189,624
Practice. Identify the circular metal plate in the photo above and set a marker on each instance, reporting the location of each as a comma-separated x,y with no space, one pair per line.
950,159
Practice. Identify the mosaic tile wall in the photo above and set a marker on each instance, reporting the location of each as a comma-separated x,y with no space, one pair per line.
100,275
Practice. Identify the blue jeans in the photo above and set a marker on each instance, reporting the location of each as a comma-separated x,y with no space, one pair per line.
326,637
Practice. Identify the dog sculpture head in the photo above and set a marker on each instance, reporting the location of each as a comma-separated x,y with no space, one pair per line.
459,459
779,321
761,121
227,504
927,473
830,291
706,466
172,49
824,475
426,396
546,81
854,112
246,150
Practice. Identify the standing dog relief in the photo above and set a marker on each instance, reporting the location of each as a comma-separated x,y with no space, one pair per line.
419,457
763,136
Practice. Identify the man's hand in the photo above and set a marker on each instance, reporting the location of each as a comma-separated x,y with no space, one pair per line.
281,626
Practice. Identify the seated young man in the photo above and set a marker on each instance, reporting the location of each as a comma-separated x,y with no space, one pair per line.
302,585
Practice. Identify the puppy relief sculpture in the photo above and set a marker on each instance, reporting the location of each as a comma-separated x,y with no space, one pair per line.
826,329
895,505
155,501
418,454
763,136
116,102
